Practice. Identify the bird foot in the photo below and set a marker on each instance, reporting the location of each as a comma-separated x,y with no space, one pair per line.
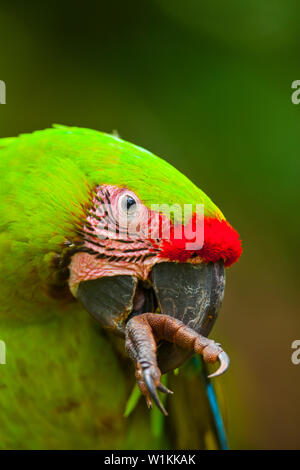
142,334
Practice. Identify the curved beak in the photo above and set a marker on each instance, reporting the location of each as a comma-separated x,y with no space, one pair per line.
191,293
188,292
188,296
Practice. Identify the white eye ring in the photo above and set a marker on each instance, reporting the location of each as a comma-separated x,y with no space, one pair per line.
128,204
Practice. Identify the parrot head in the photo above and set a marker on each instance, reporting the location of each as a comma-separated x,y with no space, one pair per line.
134,259
130,235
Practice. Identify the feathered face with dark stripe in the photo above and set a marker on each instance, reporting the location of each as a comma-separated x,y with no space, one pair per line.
116,237
134,272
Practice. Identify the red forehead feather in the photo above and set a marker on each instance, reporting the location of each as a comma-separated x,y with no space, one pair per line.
221,241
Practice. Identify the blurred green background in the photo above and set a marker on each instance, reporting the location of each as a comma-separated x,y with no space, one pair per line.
207,86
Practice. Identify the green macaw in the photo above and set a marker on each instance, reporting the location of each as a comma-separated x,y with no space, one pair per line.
97,286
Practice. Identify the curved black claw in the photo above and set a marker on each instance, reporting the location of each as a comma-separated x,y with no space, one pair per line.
148,379
224,364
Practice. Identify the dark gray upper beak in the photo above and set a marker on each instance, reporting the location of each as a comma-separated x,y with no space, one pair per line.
191,293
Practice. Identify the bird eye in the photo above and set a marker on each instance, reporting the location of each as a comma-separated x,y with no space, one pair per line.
128,204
